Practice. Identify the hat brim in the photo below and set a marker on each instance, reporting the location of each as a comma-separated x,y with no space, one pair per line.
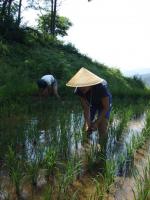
84,78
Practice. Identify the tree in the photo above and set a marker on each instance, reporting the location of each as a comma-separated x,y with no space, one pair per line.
50,6
53,16
62,24
5,9
10,19
10,11
19,12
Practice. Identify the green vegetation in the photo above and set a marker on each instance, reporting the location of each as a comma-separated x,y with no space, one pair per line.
13,165
139,140
143,184
26,54
22,64
53,146
62,25
46,134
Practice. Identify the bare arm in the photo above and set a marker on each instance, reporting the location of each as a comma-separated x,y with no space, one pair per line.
86,110
105,105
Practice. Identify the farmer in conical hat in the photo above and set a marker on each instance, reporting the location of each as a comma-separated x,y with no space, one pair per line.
95,99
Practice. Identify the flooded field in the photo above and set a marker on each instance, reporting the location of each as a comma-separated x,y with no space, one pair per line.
45,154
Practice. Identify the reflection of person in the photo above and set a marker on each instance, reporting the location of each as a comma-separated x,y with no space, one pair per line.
95,99
47,85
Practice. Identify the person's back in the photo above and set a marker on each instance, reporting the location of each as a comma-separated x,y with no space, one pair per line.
48,84
49,79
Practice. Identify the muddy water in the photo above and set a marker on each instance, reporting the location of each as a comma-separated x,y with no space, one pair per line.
124,188
34,132
30,134
115,148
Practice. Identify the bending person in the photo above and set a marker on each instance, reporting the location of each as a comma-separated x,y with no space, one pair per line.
95,99
47,85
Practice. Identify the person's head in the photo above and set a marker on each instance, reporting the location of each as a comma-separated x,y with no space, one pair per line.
85,89
41,84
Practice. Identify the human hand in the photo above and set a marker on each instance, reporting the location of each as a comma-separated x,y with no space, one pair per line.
87,128
94,126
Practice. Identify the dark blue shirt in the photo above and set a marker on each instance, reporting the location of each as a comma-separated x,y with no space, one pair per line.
95,94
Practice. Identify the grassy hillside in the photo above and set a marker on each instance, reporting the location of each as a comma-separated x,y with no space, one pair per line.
22,64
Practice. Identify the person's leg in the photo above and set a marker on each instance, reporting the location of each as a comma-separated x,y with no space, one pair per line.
102,128
50,90
55,89
46,92
103,137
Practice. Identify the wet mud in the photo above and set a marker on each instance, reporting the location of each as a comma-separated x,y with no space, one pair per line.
124,186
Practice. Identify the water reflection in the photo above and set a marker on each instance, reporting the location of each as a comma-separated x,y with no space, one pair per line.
117,148
62,130
68,137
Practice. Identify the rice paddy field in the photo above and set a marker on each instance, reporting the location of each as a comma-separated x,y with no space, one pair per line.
46,155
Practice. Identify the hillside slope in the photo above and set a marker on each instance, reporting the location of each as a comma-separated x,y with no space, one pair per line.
22,64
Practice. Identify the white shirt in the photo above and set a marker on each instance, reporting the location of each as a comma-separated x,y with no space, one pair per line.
104,82
49,79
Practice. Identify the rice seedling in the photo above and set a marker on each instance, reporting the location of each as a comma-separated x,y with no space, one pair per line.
107,167
100,188
10,159
74,196
104,181
65,180
62,139
121,165
124,118
138,140
13,165
94,158
109,173
32,169
48,193
146,130
142,184
77,137
16,177
130,150
50,161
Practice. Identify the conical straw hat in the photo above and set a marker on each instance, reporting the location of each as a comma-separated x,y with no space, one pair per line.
84,78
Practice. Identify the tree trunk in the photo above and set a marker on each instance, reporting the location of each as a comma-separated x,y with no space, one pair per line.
19,13
52,10
54,16
9,7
